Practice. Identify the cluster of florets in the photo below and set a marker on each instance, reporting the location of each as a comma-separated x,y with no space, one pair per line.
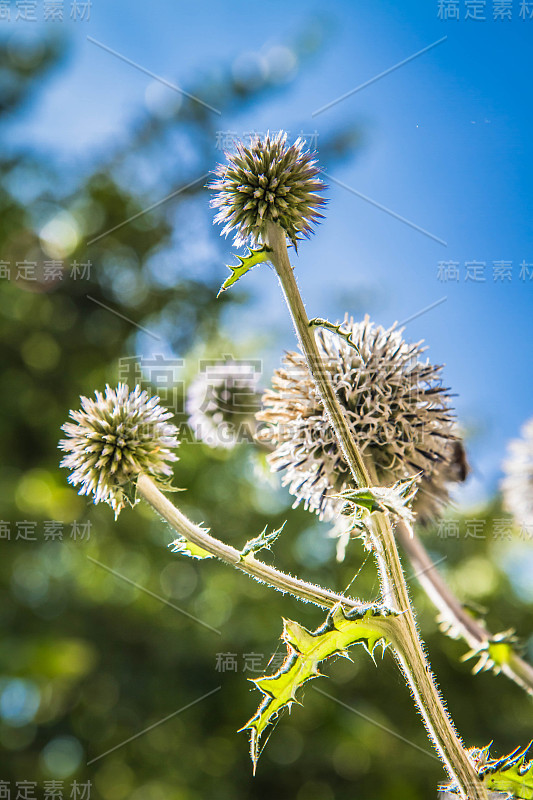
222,402
397,409
113,439
269,181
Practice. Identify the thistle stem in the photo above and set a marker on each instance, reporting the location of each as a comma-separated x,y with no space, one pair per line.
409,650
303,590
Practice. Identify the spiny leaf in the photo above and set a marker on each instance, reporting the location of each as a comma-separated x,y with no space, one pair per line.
305,651
511,773
165,484
182,545
363,498
264,540
253,258
318,322
394,499
494,652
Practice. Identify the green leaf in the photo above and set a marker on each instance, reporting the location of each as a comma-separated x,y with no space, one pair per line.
363,498
253,258
510,774
494,653
182,545
318,322
393,499
305,651
264,540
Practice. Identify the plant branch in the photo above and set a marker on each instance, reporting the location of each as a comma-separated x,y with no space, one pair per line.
308,592
410,654
472,631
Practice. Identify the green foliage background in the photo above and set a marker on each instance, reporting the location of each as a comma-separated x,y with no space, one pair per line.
94,660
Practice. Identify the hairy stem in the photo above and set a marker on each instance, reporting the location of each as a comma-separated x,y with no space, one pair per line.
410,654
308,592
472,631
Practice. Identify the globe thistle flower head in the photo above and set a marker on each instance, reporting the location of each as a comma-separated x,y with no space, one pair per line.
114,438
517,484
398,412
222,402
269,181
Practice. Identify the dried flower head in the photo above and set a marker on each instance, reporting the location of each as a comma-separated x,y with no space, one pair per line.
517,484
269,181
113,439
222,402
396,407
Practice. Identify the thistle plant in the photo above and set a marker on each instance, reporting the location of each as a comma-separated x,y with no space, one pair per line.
221,404
363,427
115,438
268,182
397,411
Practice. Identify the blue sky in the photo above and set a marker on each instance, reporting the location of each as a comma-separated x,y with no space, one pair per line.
446,146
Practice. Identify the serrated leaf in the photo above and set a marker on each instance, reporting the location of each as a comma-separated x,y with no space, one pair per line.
385,499
166,485
493,653
253,258
510,777
511,774
318,322
305,651
364,498
264,540
187,548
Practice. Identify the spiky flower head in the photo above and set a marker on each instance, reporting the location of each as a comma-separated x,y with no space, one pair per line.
396,407
269,181
517,484
222,402
115,437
